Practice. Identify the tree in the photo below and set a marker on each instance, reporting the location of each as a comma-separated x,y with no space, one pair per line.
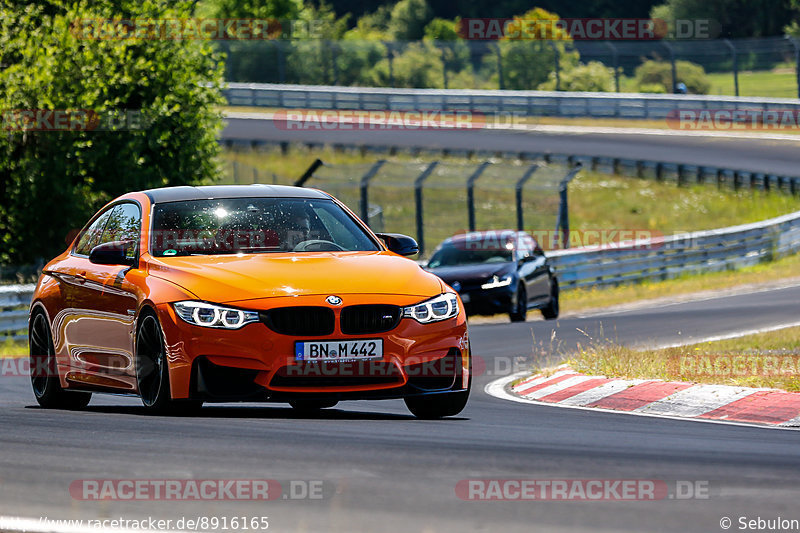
528,60
735,18
408,20
52,181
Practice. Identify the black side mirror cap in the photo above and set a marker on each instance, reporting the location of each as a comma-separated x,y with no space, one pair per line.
113,253
400,244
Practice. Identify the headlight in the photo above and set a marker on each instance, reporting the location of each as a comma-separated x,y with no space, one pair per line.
213,316
497,282
442,307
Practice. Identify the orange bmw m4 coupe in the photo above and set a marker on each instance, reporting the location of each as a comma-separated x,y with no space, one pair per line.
186,295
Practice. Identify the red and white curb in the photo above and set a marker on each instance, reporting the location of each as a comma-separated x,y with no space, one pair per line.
670,399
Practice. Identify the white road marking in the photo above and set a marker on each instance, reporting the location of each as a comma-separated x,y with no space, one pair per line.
556,387
601,391
497,389
697,400
541,379
726,336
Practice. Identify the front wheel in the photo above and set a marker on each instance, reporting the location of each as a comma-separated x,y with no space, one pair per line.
520,311
435,406
44,371
152,371
550,312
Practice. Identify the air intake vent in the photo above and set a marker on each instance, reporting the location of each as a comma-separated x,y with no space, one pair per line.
300,321
367,319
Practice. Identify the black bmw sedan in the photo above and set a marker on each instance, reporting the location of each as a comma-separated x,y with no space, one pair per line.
501,271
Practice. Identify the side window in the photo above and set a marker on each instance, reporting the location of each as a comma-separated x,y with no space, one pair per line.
123,225
91,237
524,247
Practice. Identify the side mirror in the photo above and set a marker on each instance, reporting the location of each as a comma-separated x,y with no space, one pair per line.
112,253
399,244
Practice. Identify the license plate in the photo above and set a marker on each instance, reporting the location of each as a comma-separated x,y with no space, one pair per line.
338,350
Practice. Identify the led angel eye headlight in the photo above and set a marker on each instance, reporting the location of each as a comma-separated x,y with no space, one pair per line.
436,309
213,316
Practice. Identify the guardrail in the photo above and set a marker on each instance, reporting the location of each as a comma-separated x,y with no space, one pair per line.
528,103
705,251
16,298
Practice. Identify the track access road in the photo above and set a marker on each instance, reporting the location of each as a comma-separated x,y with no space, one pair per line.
382,470
780,157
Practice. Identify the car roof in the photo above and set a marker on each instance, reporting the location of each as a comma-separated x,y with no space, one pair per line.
478,235
208,192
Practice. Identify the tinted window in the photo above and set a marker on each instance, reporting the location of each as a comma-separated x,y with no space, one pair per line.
91,236
254,225
451,254
123,225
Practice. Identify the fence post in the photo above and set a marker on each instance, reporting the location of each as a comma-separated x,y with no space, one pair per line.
499,67
556,64
471,193
301,181
418,208
444,63
672,61
281,61
365,179
735,65
615,56
796,62
390,58
519,187
563,206
334,50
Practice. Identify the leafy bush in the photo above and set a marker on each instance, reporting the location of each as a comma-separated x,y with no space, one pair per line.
527,63
660,73
590,77
419,64
52,181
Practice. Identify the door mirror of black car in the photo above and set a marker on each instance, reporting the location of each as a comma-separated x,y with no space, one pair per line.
399,244
113,253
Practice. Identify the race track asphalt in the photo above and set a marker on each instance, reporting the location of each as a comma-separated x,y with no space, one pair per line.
780,157
382,470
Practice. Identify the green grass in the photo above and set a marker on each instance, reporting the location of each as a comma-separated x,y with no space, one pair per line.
780,82
585,299
11,348
777,351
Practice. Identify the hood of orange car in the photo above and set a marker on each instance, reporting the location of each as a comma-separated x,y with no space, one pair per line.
230,278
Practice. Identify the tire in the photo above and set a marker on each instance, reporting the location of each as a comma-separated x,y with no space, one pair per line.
44,371
152,370
550,312
434,406
312,406
520,310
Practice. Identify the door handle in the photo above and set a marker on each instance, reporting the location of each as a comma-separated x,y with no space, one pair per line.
81,277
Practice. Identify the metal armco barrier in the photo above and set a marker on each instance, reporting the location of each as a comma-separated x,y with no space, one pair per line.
673,256
528,103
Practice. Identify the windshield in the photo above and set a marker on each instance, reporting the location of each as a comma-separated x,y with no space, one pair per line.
254,225
452,255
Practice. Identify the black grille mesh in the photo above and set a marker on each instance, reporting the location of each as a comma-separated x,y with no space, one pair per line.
300,321
366,319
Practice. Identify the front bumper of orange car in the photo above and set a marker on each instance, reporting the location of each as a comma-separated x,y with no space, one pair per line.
255,363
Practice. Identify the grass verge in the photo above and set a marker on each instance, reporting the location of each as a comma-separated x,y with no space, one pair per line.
761,360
